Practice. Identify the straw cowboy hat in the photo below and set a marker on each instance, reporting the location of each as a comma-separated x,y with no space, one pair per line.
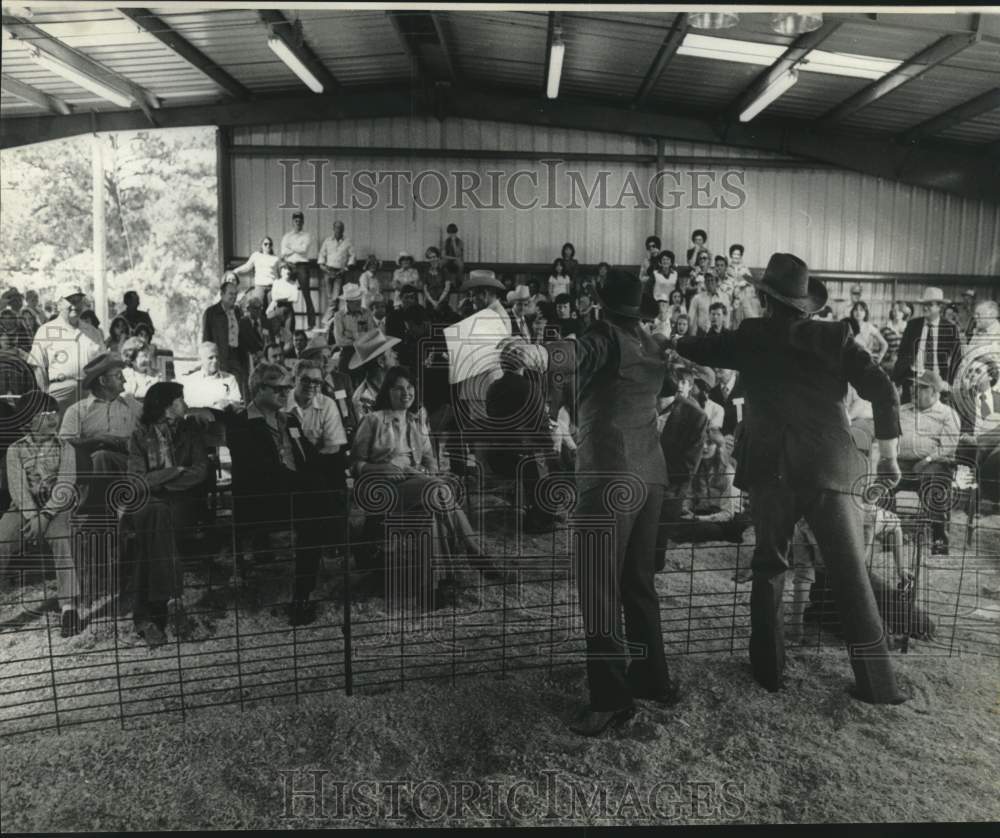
370,345
786,279
519,294
103,363
482,278
930,378
932,295
352,293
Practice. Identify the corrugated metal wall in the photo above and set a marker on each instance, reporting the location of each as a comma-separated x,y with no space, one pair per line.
836,220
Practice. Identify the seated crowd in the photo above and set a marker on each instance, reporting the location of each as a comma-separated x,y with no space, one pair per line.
362,395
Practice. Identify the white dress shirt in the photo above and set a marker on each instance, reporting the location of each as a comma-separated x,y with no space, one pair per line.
321,422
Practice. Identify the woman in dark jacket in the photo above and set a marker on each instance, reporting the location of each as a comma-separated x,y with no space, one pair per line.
167,453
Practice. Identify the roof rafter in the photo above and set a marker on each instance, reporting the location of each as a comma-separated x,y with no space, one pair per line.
165,34
668,49
984,103
52,104
449,56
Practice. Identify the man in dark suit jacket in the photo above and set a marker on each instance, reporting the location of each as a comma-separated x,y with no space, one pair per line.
796,459
724,393
682,439
224,325
278,480
928,342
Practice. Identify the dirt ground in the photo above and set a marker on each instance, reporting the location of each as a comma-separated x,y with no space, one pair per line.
273,708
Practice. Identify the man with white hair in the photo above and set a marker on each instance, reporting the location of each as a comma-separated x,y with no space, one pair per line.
63,347
209,385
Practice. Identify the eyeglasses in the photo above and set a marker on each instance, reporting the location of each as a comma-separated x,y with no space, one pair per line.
309,381
279,388
47,414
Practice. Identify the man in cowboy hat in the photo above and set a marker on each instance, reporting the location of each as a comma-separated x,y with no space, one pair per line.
63,347
41,468
611,376
928,442
928,343
372,346
517,300
796,459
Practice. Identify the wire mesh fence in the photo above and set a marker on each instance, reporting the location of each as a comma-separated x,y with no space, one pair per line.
230,644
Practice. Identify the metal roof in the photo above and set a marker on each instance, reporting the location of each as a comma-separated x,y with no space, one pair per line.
609,55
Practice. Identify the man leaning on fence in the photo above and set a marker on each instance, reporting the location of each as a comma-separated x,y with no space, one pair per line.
796,459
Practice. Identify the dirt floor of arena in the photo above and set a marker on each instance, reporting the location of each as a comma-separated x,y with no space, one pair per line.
728,752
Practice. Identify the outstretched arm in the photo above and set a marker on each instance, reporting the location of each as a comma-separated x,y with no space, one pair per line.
727,350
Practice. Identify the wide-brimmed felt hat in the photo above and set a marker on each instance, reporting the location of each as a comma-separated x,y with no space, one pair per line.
786,279
930,378
932,295
482,278
621,294
370,345
103,363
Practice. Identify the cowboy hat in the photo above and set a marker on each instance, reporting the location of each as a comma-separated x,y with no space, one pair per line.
352,293
404,255
370,345
521,293
103,363
482,278
786,279
932,295
930,378
68,290
29,405
621,294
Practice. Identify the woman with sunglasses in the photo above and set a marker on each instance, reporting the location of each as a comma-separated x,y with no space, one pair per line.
264,265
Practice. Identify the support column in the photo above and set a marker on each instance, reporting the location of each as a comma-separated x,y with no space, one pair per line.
661,163
100,240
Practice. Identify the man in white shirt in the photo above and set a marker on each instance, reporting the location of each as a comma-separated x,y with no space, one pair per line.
929,439
209,386
63,347
843,309
336,255
296,250
351,321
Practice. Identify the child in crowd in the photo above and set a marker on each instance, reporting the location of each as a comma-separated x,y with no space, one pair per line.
370,288
559,282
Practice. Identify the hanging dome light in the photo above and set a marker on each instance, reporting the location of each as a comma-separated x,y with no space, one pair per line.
713,20
788,23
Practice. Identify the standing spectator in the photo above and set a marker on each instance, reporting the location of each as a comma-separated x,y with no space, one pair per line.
929,439
682,325
119,331
570,265
16,376
736,270
167,452
724,394
371,289
745,302
699,239
565,320
296,250
222,324
892,332
11,303
844,308
264,264
950,314
721,269
651,257
718,318
33,314
132,313
437,284
966,314
664,276
336,255
677,306
454,256
40,474
63,347
517,300
702,303
406,274
868,337
559,281
663,324
928,343
285,296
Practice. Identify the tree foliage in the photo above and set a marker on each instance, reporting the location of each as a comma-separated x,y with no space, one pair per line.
160,223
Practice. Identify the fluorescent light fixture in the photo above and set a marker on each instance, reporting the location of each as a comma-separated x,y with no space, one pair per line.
713,20
764,55
775,89
845,64
60,68
555,67
285,53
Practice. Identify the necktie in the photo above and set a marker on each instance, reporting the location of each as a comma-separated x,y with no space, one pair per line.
930,362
